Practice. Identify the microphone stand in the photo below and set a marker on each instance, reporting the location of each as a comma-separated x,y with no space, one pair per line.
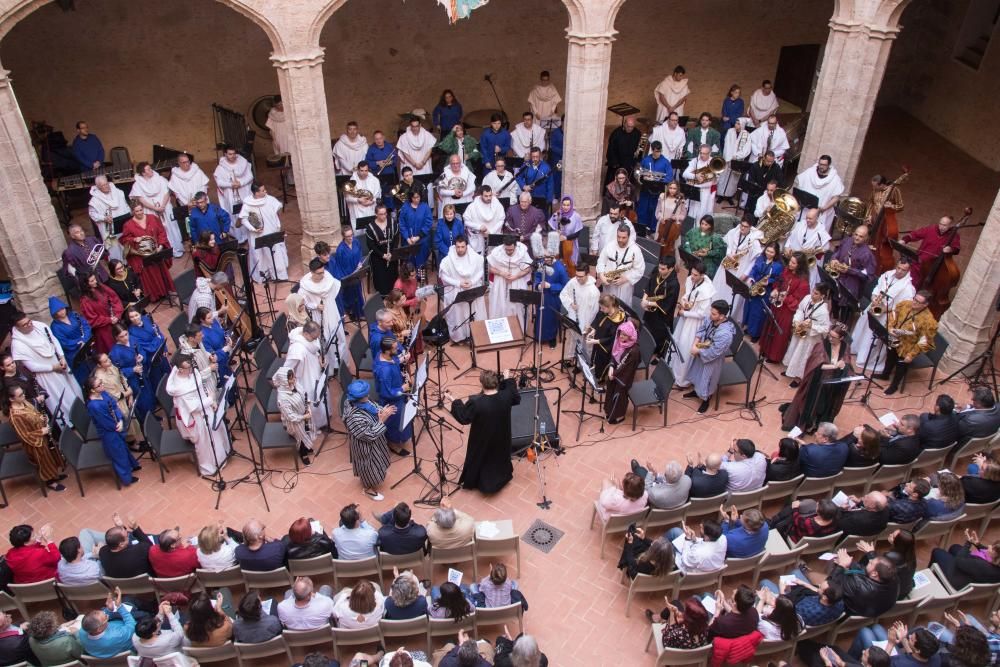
506,122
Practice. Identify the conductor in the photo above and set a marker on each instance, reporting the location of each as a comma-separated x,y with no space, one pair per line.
487,457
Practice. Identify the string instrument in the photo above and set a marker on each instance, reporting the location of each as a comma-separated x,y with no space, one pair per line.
670,230
943,275
884,226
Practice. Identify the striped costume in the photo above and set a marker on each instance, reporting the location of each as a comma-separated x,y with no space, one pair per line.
367,439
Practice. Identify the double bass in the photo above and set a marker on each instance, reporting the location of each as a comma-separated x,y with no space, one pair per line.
670,230
943,274
885,227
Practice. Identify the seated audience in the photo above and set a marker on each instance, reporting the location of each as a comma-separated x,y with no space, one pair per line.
864,516
173,556
403,535
152,640
405,600
14,644
966,642
870,590
50,643
699,554
685,628
122,557
450,528
815,604
918,648
305,608
450,603
735,616
785,464
78,568
864,447
521,651
747,468
808,518
354,538
666,491
33,556
969,563
827,456
208,624
814,654
903,445
779,620
466,653
320,660
106,632
907,501
253,625
359,607
983,486
302,542
980,419
257,553
709,479
746,535
949,501
643,556
497,589
216,550
902,553
939,428
628,498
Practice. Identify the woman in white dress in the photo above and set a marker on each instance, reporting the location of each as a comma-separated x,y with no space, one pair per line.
815,311
194,411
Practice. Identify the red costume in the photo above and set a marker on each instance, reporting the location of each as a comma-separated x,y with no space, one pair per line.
33,562
773,344
932,245
97,307
155,278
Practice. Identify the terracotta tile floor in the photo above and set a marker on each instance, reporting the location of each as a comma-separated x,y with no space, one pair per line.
576,598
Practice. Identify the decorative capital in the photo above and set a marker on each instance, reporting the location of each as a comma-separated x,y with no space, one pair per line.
298,59
4,77
597,39
869,30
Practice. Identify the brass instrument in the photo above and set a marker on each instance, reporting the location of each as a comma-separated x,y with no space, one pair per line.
732,261
801,329
454,183
703,344
715,166
649,175
877,307
758,287
851,212
778,221
811,258
643,143
144,246
652,302
778,298
253,221
616,272
351,188
97,252
382,164
835,267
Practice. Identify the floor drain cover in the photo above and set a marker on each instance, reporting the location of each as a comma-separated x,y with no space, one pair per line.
542,536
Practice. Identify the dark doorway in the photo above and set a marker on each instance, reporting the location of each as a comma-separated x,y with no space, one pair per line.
796,70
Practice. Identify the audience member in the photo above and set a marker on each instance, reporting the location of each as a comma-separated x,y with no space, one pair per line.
735,616
216,550
800,519
50,643
497,589
918,648
699,554
785,464
359,607
864,447
685,628
643,556
77,567
746,535
709,479
666,491
173,556
354,538
864,516
208,624
980,419
968,642
302,541
253,625
320,660
983,486
122,557
827,456
869,591
450,528
257,553
949,502
106,632
399,533
903,446
814,654
939,428
902,554
907,501
522,651
778,619
450,603
405,600
815,604
152,640
969,563
14,644
33,556
747,468
467,653
627,498
304,608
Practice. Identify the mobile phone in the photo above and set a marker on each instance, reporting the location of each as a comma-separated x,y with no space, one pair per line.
631,528
364,663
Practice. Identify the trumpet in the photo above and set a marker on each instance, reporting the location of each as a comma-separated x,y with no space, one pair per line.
382,164
758,287
811,258
835,267
616,272
733,261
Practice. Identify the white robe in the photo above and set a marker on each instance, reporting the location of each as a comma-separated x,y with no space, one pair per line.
157,190
758,143
706,203
750,243
455,270
895,290
549,245
613,256
825,189
586,298
354,205
295,412
347,153
687,324
801,238
737,147
39,351
672,141
523,138
416,148
497,183
482,219
500,303
605,232
303,358
673,91
543,100
281,132
230,195
211,446
448,196
762,106
799,348
261,261
184,184
325,292
102,206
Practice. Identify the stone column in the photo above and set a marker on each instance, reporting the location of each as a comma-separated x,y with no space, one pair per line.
31,239
854,61
969,322
300,79
588,69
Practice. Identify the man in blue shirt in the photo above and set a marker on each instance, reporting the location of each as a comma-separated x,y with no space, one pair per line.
381,151
257,553
107,632
205,216
907,503
494,142
826,456
354,538
536,178
745,536
650,190
399,533
87,148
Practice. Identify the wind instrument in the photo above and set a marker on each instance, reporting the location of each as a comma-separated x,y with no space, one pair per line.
95,255
758,287
877,307
778,298
144,246
382,164
643,143
835,268
617,272
896,332
710,171
730,262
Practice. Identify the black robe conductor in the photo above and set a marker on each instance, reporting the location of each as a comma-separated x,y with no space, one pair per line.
487,457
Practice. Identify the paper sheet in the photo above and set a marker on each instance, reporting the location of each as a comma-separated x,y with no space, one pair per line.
841,499
487,529
795,432
317,527
455,576
827,556
708,601
679,543
888,419
499,331
920,579
266,605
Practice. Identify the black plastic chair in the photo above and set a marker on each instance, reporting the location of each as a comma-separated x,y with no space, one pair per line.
14,463
8,436
929,360
82,455
736,372
372,306
279,333
266,358
177,327
361,353
166,443
655,391
647,348
165,400
184,283
271,435
266,394
82,423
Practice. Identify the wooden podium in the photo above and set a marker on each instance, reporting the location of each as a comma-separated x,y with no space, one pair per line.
481,339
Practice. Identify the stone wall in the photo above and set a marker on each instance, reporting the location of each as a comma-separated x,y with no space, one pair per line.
924,79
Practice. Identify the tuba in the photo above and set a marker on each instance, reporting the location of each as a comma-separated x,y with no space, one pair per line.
714,167
144,246
778,221
850,213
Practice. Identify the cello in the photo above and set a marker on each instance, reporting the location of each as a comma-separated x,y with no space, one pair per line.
670,229
884,227
943,274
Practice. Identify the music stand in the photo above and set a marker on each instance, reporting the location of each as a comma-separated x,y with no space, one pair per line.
468,297
591,260
361,223
118,223
738,287
805,199
567,323
878,346
679,165
85,352
404,252
460,208
588,379
526,297
691,192
159,257
494,240
688,259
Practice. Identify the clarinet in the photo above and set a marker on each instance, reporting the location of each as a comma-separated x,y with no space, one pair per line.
111,310
55,349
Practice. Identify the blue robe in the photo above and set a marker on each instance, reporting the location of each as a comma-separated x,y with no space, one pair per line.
105,415
555,157
375,336
548,320
706,367
389,385
754,316
88,151
445,117
417,222
646,208
72,336
388,176
490,139
142,389
734,110
444,238
214,339
344,262
215,219
543,174
147,339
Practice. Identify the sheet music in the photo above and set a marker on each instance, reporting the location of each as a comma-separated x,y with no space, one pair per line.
220,410
499,331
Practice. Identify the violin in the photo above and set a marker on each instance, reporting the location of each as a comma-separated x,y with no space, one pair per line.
884,227
943,274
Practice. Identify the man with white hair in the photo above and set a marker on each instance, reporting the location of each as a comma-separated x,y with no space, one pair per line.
450,185
186,180
305,608
511,267
769,137
450,528
108,203
367,190
665,491
257,553
823,181
484,216
808,234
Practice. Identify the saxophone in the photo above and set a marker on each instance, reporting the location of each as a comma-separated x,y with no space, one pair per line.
733,261
758,287
616,272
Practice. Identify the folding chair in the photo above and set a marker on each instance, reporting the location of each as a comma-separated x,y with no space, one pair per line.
322,636
849,626
738,371
781,490
647,349
646,583
183,584
140,584
487,616
889,476
818,545
231,577
971,447
361,353
275,646
699,581
271,435
816,486
268,580
675,656
82,423
654,391
780,558
929,359
454,556
932,460
267,395
409,628
164,400
356,569
415,561
701,507
224,653
489,548
14,463
744,500
942,530
657,518
84,456
342,637
855,477
118,660
751,564
166,443
316,566
448,627
84,592
39,591
279,333
984,511
614,523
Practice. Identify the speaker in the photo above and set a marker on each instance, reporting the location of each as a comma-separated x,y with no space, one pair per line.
522,422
